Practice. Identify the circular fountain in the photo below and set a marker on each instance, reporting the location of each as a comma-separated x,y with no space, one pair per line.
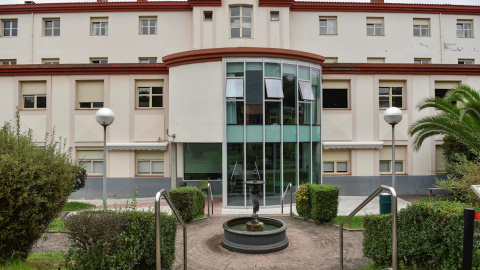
255,235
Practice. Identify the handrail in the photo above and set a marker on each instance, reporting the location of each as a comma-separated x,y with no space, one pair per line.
394,223
157,228
209,196
289,186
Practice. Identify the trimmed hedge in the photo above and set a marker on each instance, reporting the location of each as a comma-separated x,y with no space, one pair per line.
318,202
118,240
189,201
430,236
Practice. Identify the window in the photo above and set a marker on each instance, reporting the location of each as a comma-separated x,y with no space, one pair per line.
234,88
240,21
391,94
442,87
439,159
328,25
89,94
274,16
422,61
374,26
306,92
146,60
150,162
51,27
386,159
99,26
91,161
376,60
335,94
5,62
331,60
149,94
274,88
466,61
148,25
202,161
10,28
336,161
421,27
50,61
34,95
208,15
464,28
101,60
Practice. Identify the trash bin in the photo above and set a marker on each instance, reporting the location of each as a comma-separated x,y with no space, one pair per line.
385,203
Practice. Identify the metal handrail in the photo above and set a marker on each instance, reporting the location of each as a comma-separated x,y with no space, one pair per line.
209,196
157,228
394,223
289,186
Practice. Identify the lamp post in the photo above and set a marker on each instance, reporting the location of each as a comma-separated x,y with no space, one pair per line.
393,116
105,117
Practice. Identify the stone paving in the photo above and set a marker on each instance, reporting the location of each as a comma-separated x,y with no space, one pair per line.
312,246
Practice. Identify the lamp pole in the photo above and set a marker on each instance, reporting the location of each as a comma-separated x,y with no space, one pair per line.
105,117
393,116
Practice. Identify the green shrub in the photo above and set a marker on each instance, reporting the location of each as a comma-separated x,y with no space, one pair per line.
324,200
35,182
120,240
189,201
302,198
430,236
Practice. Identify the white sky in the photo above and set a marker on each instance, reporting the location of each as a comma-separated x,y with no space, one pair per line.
450,2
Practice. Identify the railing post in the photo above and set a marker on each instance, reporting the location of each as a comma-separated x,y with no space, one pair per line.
291,200
468,224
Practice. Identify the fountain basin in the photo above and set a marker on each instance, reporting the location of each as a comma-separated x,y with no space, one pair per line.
272,239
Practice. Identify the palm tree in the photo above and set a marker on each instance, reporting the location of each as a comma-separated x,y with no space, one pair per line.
458,118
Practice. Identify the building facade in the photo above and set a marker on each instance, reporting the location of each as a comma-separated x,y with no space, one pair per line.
228,91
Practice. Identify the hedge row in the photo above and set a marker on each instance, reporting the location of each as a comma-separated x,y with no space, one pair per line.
189,201
318,202
119,240
430,236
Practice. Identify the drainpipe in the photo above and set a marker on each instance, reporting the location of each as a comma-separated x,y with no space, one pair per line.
31,39
441,37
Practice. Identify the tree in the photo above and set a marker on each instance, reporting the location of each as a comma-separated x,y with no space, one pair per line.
458,117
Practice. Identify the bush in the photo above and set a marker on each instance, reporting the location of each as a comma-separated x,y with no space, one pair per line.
131,247
324,200
189,201
430,236
35,182
302,198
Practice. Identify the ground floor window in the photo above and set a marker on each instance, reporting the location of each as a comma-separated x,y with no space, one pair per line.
202,161
149,162
91,161
386,159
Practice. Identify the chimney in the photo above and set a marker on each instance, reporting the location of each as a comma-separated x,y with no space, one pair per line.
376,1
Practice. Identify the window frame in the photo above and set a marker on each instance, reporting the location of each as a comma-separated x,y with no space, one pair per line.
335,167
93,21
35,102
11,28
53,28
101,60
241,17
92,160
331,60
208,18
150,95
464,60
8,62
421,26
390,167
375,60
463,30
149,27
335,85
374,26
274,13
50,61
390,95
150,173
148,59
422,61
327,27
37,91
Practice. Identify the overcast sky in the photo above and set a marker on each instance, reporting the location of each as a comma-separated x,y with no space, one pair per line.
451,2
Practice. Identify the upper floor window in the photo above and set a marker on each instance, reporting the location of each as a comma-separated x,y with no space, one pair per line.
374,26
442,87
391,94
10,27
99,60
335,94
274,16
328,25
439,159
99,26
208,15
464,28
149,94
241,21
331,60
146,60
51,27
89,94
422,61
376,60
148,25
466,61
50,61
34,94
5,62
421,27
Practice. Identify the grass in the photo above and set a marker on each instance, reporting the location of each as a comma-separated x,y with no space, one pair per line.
76,206
356,222
56,225
37,261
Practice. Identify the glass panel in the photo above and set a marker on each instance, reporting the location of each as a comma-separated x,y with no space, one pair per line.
383,102
144,90
396,90
143,101
157,90
157,167
235,133
328,167
289,92
235,70
272,133
48,32
304,113
304,162
6,32
416,31
87,165
14,32
144,22
97,167
289,133
234,113
143,167
235,32
157,101
254,165
28,102
14,24
398,166
272,113
316,133
304,133
246,11
342,167
246,22
234,88
274,88
290,163
397,102
323,23
56,32
246,32
317,163
235,22
48,24
153,30
254,133
335,98
85,105
378,30
306,90
235,174
369,29
144,31
235,11
56,23
254,93
272,70
304,73
384,166
97,104
273,188
6,24
203,161
316,104
41,102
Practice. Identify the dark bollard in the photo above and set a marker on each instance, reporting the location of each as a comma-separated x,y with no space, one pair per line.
468,220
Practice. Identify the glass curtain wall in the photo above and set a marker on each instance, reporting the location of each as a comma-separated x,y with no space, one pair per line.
273,127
